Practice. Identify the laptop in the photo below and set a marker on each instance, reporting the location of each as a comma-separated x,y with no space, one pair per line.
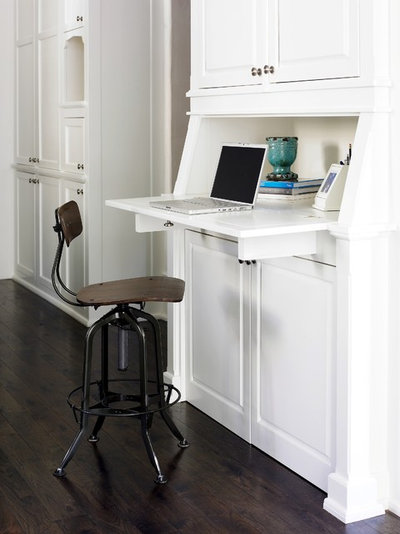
235,184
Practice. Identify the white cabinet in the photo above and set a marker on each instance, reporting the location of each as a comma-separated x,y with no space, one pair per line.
261,351
228,39
74,12
36,198
254,42
293,365
313,40
37,83
73,144
83,125
26,208
218,364
74,256
48,198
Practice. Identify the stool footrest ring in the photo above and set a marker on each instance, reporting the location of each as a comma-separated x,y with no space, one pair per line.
103,406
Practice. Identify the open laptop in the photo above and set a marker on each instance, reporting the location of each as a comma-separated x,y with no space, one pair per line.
235,184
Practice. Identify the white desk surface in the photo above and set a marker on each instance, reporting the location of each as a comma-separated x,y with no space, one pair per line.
268,218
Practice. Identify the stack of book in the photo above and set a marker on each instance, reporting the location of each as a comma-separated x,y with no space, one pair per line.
282,190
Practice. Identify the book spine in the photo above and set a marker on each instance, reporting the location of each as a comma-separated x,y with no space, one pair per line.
293,192
290,185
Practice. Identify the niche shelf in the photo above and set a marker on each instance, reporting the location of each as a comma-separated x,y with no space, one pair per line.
74,70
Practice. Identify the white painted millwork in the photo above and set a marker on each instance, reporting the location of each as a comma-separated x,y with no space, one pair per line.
294,365
37,83
257,43
36,196
218,331
83,110
322,343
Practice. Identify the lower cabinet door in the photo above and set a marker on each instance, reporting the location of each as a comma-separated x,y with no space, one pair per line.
25,196
293,365
74,255
48,191
218,330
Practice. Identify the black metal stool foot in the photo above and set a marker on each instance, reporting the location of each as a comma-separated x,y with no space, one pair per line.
93,439
161,479
184,444
59,472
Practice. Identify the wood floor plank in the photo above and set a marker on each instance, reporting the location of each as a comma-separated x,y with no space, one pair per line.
220,484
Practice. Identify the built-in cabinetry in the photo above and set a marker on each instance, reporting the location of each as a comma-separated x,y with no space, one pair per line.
80,132
36,198
308,341
37,84
261,350
270,42
293,346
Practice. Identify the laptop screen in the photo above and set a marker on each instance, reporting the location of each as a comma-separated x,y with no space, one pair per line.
238,173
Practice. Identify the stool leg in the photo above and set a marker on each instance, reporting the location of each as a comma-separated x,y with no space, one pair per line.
60,472
161,479
93,438
87,364
145,419
183,443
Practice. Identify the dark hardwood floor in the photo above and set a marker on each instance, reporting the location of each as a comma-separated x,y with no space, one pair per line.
219,484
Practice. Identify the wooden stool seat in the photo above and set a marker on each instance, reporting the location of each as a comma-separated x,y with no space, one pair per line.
133,291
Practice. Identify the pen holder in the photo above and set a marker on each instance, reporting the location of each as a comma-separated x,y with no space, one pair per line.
282,152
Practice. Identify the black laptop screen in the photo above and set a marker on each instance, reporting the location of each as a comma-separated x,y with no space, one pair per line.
238,173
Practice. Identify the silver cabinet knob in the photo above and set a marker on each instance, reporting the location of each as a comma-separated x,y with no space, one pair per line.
254,71
269,69
168,224
79,191
80,167
79,18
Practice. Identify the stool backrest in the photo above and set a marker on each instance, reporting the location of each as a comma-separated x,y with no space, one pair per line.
68,226
70,220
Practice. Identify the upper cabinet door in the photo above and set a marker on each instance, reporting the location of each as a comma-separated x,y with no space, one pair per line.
25,20
229,41
47,16
74,14
313,40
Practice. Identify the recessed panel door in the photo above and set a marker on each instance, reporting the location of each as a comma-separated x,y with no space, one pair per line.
313,39
217,306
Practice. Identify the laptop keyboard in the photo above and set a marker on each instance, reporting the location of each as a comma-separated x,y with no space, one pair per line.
205,202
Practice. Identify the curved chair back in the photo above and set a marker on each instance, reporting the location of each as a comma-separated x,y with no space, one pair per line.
68,226
70,220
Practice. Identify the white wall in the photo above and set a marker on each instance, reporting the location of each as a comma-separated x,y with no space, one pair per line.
170,82
6,138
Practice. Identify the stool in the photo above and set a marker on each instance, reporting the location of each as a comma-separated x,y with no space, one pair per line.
128,297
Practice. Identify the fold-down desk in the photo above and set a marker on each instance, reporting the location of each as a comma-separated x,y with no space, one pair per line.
272,229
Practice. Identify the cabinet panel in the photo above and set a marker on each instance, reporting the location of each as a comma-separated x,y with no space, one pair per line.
48,201
48,102
74,15
47,16
25,20
239,42
25,225
227,42
218,364
72,144
25,127
74,256
293,366
318,46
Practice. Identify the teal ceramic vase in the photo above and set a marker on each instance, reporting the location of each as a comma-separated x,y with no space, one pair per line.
282,152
